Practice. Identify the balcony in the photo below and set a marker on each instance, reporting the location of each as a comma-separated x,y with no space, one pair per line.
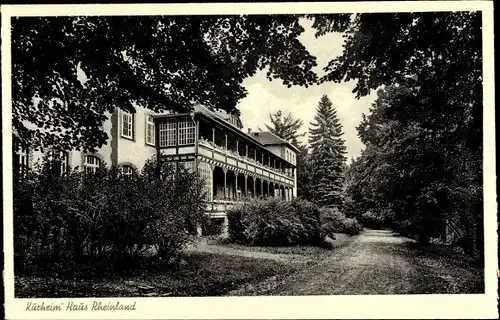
233,158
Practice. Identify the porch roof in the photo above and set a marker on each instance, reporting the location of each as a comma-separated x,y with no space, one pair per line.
200,110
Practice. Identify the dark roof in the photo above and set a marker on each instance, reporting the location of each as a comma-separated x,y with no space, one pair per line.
221,114
268,138
212,115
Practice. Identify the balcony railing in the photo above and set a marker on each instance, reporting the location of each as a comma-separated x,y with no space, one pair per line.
235,154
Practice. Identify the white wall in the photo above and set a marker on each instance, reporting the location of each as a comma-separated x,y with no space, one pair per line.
117,150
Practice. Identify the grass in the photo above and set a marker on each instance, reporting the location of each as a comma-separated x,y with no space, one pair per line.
219,268
299,249
305,250
202,274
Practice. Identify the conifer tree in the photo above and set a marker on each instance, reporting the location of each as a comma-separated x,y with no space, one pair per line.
327,155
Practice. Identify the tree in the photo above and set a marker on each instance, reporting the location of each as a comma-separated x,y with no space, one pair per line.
68,73
433,119
327,155
287,128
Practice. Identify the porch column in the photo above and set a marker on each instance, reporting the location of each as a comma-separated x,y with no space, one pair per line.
246,185
255,154
254,187
225,184
238,146
212,183
246,150
213,135
236,185
226,141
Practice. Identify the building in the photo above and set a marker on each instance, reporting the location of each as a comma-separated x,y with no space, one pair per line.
235,165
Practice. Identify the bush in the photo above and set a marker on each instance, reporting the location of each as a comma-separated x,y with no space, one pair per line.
276,222
310,216
271,222
371,219
103,219
333,221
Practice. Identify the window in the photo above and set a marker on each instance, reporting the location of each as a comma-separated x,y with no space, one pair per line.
91,164
21,160
150,130
205,171
186,131
127,125
60,161
127,171
167,133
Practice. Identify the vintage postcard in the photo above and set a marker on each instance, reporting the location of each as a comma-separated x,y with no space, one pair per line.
249,161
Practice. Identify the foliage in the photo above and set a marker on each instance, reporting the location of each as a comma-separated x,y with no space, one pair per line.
276,222
287,128
375,220
423,160
327,155
310,217
333,221
103,219
262,222
423,176
70,72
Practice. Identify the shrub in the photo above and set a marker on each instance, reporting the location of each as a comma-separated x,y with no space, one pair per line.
310,216
271,222
333,221
372,220
276,222
405,228
105,218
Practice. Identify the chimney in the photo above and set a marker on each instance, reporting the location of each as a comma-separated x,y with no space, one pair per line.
249,131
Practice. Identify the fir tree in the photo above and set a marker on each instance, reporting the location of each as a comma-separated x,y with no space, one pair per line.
327,155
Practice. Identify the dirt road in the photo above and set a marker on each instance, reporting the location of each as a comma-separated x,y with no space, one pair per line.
380,262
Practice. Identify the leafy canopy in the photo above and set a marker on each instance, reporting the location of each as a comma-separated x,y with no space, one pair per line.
286,127
69,72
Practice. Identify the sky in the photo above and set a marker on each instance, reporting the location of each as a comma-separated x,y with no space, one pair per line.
265,97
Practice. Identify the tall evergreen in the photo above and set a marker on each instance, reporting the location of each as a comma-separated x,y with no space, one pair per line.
327,155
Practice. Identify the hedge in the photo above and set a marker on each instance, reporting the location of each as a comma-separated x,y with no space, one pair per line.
277,222
103,219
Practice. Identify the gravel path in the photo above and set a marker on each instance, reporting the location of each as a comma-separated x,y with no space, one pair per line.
380,262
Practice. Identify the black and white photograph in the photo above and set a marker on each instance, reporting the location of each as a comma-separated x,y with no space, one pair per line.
219,153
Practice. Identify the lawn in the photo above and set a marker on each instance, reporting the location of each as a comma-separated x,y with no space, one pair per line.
304,250
213,267
202,274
